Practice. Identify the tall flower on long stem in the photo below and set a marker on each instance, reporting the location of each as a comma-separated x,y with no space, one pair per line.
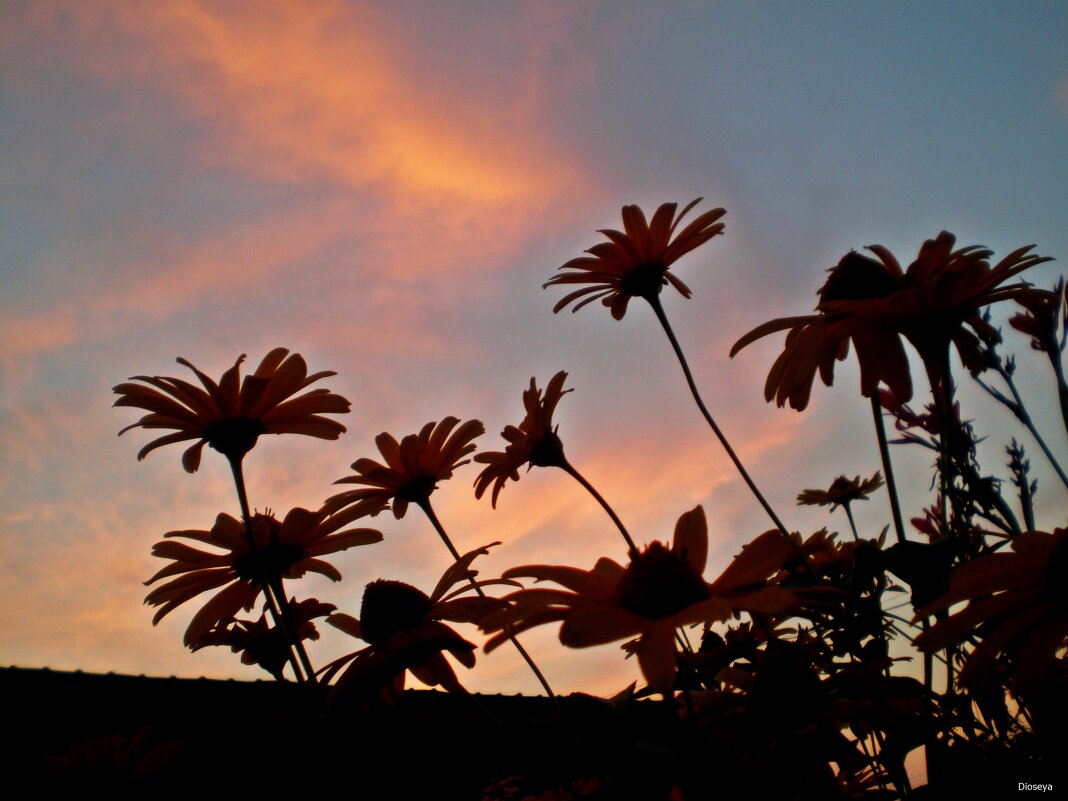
409,473
534,442
230,415
634,263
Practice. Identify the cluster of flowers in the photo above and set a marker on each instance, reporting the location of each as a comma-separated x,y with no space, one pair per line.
794,663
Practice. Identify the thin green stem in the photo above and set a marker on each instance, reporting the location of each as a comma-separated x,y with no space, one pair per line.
654,301
575,474
888,468
424,504
268,590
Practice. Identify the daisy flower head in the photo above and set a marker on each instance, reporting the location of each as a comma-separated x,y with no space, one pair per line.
287,549
842,492
231,414
410,469
533,442
661,589
876,305
634,262
260,643
405,632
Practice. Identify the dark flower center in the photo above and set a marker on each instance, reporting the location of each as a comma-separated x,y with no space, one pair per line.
418,489
659,582
276,557
390,607
234,437
858,278
548,451
644,281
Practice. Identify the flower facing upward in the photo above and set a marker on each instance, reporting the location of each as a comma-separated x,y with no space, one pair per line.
404,631
412,467
634,262
288,549
533,442
842,492
661,589
230,415
874,304
1017,605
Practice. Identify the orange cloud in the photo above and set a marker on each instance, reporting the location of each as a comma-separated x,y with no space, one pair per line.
318,90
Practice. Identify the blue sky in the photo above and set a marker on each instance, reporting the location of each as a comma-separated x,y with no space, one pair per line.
385,188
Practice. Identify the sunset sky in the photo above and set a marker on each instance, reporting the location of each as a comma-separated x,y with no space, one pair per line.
385,187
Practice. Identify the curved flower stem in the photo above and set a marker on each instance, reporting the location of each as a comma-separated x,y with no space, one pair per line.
268,589
888,469
575,474
654,301
680,634
424,504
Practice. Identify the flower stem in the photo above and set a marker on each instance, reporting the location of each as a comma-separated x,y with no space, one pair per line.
888,469
268,590
571,471
852,524
654,301
424,504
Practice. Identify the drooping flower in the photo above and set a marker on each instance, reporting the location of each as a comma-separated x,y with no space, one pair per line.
1045,319
287,550
874,304
1017,605
260,643
661,589
634,262
404,631
232,414
412,468
533,442
842,492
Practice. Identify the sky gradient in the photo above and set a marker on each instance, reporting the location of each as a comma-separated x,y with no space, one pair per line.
385,188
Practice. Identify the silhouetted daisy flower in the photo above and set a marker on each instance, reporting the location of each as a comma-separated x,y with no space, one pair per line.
287,549
260,643
231,415
634,262
533,442
875,304
404,631
660,590
842,492
412,467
